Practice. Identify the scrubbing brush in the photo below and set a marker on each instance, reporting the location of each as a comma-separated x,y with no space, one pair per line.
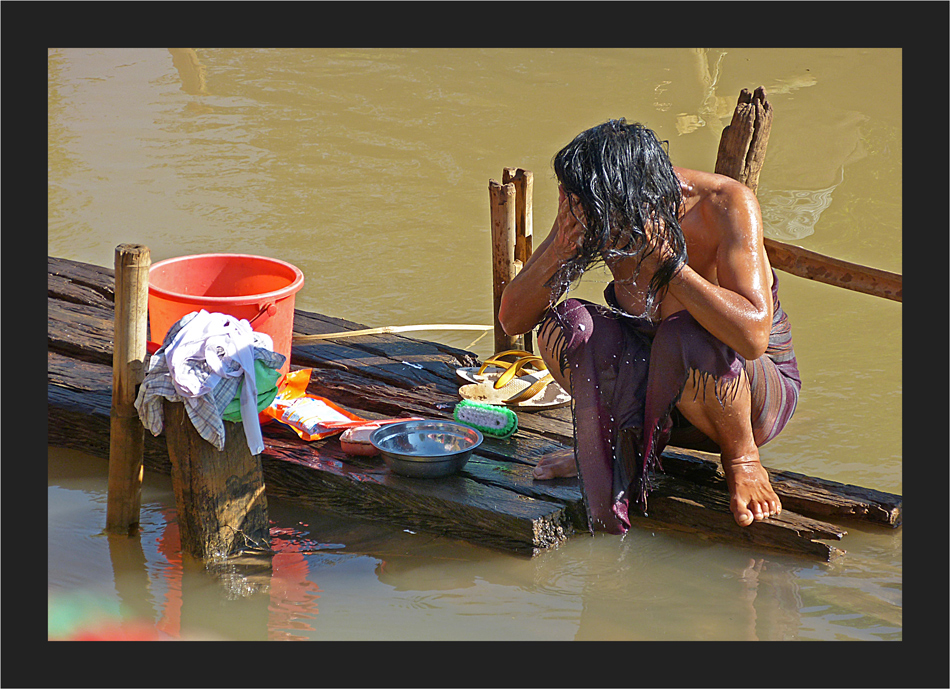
490,419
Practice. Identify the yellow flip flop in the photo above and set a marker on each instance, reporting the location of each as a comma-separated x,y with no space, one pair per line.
521,394
501,364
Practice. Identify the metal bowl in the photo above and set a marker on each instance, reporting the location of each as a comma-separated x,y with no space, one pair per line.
425,449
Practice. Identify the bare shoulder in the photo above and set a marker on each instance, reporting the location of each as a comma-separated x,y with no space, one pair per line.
716,189
722,202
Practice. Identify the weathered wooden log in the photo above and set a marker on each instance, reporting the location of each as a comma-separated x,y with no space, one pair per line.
219,494
687,506
741,156
494,501
503,227
124,497
744,141
809,495
455,506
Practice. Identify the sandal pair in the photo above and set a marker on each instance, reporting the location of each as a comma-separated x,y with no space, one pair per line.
507,364
514,378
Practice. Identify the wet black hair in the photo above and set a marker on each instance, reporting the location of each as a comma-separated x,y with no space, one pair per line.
622,176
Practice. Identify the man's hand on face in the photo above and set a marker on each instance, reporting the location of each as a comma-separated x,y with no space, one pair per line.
571,227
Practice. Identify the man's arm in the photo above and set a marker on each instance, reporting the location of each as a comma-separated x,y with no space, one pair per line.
737,311
527,296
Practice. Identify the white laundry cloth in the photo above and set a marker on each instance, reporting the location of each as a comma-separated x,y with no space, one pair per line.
206,350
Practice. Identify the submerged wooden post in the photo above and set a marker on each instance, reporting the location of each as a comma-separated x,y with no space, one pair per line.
524,225
503,224
127,435
222,508
741,156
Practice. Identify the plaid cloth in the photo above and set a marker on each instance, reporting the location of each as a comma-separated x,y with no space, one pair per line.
205,410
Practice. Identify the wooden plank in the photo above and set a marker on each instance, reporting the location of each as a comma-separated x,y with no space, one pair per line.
453,506
325,477
80,330
494,501
79,399
394,359
693,507
516,477
816,497
81,282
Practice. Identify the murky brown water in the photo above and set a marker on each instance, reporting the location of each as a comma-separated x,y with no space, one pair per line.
369,169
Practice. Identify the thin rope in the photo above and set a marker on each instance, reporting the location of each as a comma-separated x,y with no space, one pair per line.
306,339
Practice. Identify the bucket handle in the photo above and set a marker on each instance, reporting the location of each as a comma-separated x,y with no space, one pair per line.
270,308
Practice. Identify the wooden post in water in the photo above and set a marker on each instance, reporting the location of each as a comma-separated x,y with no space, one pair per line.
741,156
503,224
222,508
524,225
127,435
743,143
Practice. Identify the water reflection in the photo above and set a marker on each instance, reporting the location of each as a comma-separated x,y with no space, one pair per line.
193,74
791,214
331,578
194,78
745,597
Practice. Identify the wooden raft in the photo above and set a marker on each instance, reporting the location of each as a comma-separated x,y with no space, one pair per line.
493,502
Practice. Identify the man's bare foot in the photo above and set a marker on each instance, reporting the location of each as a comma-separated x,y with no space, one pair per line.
752,496
557,464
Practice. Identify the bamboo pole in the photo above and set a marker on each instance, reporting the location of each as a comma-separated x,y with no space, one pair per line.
741,156
524,225
503,226
126,443
833,271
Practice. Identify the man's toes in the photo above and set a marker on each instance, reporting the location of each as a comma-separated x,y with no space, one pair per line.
742,514
542,472
545,470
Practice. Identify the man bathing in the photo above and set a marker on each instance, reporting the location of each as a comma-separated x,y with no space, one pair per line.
692,346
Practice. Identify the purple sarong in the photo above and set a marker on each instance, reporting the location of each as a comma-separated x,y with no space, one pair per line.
627,374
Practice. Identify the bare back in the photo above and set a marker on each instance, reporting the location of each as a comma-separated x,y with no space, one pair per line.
718,225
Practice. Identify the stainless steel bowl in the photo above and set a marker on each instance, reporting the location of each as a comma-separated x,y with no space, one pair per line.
425,449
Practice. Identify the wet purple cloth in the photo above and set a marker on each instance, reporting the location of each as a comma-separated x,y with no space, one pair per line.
627,374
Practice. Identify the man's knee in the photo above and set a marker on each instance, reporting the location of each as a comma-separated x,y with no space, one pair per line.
682,343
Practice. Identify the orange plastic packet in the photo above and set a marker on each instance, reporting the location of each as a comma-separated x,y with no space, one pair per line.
313,417
310,416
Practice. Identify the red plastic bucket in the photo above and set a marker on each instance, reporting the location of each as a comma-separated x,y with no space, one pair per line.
258,289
